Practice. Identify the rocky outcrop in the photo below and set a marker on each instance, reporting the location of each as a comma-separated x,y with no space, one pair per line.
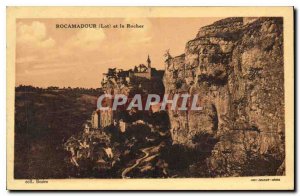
236,67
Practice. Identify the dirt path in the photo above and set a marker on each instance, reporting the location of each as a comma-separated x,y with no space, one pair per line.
137,162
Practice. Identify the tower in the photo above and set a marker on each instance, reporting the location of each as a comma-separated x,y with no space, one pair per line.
149,67
149,62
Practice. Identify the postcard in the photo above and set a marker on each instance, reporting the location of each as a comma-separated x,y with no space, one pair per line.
150,98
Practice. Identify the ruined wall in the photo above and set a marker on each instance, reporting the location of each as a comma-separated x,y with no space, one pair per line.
236,67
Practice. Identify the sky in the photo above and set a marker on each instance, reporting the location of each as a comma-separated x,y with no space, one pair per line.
69,57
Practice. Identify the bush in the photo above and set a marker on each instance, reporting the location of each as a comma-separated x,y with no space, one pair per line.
178,157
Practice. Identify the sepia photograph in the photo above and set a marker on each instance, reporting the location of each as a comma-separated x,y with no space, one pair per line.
151,96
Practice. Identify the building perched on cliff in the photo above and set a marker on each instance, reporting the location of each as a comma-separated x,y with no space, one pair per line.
119,81
142,70
121,77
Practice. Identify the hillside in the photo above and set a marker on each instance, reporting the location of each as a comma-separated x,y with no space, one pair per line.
45,118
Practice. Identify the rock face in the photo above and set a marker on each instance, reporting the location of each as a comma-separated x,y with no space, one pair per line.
236,67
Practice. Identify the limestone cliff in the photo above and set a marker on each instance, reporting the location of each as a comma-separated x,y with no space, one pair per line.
236,67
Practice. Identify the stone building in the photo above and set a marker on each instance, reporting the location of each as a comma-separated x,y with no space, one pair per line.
121,77
102,118
142,70
95,120
106,118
